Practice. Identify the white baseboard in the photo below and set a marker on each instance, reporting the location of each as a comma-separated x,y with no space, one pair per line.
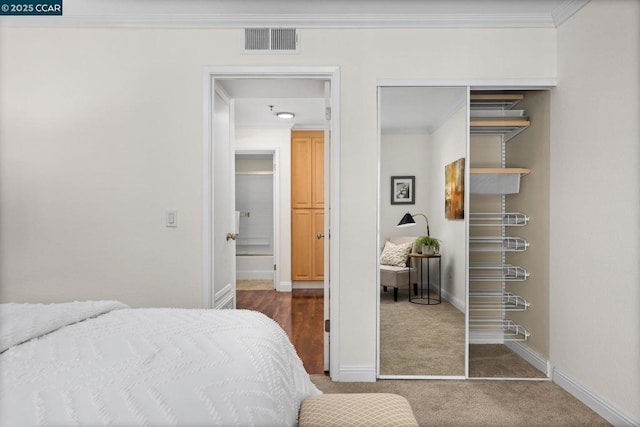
356,374
312,284
284,287
600,406
454,301
254,275
530,355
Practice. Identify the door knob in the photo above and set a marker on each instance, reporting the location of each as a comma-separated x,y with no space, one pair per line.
231,236
319,236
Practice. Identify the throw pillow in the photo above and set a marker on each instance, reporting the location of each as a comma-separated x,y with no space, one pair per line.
396,255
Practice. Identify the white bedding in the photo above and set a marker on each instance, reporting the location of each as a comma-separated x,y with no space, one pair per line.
156,367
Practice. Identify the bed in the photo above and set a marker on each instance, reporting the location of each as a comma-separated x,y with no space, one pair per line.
103,363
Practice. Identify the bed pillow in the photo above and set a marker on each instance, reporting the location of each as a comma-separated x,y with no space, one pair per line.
395,255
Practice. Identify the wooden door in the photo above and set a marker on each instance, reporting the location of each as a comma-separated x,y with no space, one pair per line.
302,226
307,205
307,169
317,170
301,171
317,254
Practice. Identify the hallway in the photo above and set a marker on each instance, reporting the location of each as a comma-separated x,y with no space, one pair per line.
300,313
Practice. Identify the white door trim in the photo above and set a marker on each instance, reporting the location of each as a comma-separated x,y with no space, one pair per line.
331,73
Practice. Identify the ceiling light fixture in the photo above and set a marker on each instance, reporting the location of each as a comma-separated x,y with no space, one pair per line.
285,115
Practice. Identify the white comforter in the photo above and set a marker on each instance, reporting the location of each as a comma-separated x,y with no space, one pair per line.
126,367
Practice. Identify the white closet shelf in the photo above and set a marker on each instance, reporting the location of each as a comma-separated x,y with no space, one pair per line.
494,272
496,300
508,126
487,330
498,101
507,132
497,244
255,173
498,219
253,241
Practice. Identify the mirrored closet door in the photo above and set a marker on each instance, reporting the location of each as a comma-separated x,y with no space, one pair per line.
423,140
470,168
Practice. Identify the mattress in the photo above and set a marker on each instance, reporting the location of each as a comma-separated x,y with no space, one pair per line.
103,363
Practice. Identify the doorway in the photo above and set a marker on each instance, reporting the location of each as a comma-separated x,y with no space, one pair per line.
248,78
256,201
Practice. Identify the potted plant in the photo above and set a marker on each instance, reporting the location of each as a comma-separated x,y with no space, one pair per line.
428,244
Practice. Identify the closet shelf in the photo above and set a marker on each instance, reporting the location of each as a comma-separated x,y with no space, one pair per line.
497,244
496,300
488,330
506,171
494,272
507,132
498,101
253,241
508,126
507,219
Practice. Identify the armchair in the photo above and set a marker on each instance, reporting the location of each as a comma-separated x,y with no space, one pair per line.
395,276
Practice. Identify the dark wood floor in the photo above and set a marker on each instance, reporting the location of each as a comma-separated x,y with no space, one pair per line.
300,313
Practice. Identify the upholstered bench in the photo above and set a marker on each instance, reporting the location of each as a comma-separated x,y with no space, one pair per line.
358,409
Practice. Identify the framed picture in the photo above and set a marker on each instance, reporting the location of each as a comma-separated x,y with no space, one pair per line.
403,190
454,190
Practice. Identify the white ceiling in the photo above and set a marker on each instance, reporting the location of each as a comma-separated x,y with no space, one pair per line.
403,109
308,13
418,109
253,99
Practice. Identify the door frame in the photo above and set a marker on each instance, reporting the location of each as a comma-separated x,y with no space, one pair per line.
331,73
470,84
275,157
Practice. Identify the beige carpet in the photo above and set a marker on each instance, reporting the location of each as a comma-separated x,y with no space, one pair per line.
254,285
420,339
498,361
429,340
479,402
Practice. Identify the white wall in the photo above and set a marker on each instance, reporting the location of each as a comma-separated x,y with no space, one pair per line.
449,143
271,139
595,204
403,155
102,131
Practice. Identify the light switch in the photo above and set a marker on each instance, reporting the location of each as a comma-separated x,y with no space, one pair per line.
172,218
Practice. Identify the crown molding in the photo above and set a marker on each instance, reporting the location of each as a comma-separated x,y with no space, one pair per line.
566,10
283,13
213,21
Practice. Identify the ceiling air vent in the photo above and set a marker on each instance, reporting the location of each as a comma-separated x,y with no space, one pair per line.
270,40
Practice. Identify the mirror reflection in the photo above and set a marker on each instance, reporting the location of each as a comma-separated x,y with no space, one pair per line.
423,144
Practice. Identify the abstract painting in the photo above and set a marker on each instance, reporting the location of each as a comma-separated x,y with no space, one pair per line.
454,190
